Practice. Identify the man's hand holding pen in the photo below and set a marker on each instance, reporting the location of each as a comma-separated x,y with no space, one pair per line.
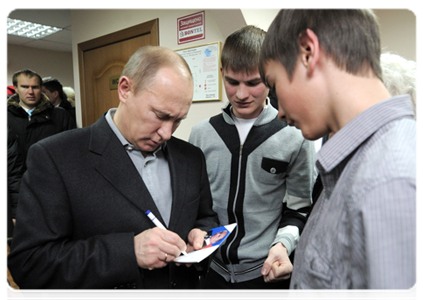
156,247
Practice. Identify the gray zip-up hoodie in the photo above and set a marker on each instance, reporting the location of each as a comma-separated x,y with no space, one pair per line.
264,186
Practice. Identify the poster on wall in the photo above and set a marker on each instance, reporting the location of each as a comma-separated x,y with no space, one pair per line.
204,62
191,28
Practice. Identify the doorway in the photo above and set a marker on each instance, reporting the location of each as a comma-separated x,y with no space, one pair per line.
101,62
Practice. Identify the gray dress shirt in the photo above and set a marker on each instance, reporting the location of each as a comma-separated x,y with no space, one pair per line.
153,169
362,230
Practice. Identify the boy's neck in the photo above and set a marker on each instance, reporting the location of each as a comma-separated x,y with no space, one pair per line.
353,94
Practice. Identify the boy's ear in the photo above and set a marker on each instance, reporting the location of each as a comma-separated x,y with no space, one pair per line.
309,50
124,87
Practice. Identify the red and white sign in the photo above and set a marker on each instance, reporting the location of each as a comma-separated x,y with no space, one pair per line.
191,28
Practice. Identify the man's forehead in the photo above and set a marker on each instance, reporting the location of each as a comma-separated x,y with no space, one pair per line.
244,75
23,78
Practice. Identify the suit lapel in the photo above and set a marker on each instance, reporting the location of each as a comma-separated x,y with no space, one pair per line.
178,173
115,165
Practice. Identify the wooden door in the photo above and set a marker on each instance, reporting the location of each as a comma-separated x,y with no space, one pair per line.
101,62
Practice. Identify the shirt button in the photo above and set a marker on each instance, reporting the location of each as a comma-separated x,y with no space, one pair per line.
273,170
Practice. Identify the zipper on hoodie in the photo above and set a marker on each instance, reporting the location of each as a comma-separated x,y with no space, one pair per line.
233,278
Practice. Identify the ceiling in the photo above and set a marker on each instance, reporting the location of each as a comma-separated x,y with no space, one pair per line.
59,41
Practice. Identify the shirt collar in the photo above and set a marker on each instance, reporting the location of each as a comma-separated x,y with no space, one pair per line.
359,129
127,145
28,111
267,114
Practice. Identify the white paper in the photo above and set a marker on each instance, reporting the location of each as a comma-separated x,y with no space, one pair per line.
199,255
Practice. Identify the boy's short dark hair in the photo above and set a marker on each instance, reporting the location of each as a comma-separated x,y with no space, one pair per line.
27,72
241,51
349,37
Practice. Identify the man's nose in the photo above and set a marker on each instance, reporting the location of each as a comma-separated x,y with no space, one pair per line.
242,92
165,131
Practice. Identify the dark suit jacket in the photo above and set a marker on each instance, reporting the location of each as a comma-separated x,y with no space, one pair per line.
82,202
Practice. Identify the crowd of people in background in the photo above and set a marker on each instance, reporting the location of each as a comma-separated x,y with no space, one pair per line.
31,117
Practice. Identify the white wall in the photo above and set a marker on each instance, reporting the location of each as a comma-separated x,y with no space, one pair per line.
262,18
398,34
56,64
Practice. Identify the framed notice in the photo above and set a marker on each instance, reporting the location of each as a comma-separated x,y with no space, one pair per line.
204,62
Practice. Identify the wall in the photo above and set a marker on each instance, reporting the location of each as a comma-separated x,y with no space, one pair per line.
397,28
398,31
90,24
46,63
398,34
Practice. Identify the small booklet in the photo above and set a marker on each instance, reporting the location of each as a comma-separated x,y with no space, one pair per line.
213,239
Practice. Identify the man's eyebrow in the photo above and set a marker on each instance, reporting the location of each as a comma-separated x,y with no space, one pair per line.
159,112
255,80
27,85
229,78
166,114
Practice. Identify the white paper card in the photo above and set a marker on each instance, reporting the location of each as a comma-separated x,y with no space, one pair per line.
214,238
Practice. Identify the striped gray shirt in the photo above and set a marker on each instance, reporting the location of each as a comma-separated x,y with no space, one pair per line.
362,230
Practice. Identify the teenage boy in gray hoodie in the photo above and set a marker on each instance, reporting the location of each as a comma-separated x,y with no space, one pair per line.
261,173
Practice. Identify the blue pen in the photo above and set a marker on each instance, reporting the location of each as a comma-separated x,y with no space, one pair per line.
156,222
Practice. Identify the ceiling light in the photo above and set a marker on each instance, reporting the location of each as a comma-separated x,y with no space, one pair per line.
28,29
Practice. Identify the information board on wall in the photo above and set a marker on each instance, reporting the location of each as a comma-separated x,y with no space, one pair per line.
204,62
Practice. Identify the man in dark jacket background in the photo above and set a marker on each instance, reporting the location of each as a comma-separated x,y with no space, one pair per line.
53,89
31,115
14,176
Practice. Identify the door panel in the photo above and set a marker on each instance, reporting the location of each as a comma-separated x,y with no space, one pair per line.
102,61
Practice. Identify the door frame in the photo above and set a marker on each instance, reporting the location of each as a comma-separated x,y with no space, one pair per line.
149,27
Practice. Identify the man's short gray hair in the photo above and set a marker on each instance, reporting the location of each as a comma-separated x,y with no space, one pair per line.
144,64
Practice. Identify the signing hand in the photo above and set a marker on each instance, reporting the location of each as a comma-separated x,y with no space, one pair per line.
155,248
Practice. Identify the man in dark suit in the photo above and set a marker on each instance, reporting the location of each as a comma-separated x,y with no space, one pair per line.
82,221
53,89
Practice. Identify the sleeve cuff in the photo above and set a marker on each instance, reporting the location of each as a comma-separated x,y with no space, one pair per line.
289,237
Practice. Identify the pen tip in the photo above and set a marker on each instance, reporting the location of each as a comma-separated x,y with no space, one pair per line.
147,212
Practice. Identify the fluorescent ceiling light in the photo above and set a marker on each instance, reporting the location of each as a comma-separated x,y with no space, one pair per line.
28,29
